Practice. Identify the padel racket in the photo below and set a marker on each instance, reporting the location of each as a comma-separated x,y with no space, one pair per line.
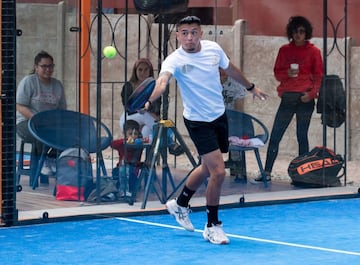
141,94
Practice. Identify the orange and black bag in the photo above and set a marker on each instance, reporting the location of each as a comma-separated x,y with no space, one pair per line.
318,168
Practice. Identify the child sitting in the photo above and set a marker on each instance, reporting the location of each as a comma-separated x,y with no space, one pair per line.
129,158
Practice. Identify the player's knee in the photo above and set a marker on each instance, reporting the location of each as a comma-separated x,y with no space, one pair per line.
219,175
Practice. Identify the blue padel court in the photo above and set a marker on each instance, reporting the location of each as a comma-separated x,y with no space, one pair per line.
320,232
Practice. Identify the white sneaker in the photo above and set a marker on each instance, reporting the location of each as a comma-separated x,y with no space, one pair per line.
259,179
49,167
181,214
46,170
123,194
215,234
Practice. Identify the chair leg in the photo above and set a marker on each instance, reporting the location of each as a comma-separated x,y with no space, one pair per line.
40,164
237,165
261,168
31,170
243,165
34,161
20,166
102,164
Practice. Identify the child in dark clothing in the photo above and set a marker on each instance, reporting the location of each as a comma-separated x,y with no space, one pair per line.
129,158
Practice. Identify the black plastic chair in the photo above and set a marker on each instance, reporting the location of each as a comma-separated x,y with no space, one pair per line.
245,126
62,129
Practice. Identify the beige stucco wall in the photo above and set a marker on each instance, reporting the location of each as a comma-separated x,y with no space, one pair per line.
48,27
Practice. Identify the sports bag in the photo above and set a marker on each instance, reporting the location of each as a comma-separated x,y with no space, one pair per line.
318,168
73,175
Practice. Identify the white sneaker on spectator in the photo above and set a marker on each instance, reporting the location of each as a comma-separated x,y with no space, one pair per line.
49,168
46,170
215,234
259,179
181,214
51,162
125,194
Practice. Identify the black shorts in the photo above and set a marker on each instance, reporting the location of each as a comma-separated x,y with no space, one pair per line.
209,136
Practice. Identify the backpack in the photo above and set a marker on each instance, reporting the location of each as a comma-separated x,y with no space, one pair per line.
73,175
332,101
318,168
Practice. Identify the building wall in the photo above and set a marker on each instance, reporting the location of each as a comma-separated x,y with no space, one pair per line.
254,54
270,17
265,17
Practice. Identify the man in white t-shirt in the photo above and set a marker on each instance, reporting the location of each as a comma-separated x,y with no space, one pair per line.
195,66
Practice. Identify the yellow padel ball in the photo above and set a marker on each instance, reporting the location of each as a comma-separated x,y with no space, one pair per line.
109,52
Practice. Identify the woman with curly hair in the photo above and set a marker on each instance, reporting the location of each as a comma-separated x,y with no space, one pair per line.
299,69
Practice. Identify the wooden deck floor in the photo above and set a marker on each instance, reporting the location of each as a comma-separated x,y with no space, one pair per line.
43,198
32,204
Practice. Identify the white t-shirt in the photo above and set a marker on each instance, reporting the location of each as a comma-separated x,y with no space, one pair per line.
199,80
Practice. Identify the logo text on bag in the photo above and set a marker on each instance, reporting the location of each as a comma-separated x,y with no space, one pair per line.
316,165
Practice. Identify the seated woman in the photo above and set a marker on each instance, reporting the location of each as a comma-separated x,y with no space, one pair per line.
146,119
37,92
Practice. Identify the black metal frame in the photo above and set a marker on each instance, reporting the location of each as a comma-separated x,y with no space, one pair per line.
8,110
159,150
326,53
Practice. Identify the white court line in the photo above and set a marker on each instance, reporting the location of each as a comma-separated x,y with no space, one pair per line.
248,238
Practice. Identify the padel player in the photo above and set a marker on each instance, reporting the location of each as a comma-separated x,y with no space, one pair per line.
195,66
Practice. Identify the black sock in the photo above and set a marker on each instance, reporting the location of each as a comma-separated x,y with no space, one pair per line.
212,215
185,196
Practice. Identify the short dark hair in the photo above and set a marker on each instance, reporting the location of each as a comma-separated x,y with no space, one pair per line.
41,55
299,21
189,20
131,125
